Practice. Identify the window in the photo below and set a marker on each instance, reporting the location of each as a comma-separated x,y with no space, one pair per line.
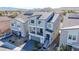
18,26
39,22
47,36
12,24
72,37
73,17
32,29
49,25
32,21
39,31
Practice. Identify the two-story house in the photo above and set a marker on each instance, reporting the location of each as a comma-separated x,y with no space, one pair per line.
44,27
70,31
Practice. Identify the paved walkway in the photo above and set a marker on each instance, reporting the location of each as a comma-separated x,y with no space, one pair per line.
19,48
3,49
16,41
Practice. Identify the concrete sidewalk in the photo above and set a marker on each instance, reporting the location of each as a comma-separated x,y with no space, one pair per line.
3,49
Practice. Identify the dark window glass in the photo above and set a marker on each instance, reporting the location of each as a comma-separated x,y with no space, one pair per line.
18,25
74,37
32,21
12,24
70,36
73,17
41,30
39,22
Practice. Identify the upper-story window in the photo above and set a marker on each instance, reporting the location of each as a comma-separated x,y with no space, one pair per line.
39,22
73,17
32,21
49,25
12,24
32,29
72,35
18,26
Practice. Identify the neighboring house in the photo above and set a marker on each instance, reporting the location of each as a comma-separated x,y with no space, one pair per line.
44,27
70,31
19,25
4,25
9,11
69,8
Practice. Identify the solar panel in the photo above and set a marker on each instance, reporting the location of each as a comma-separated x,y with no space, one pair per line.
73,17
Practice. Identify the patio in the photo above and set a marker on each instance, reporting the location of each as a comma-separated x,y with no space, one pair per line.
15,40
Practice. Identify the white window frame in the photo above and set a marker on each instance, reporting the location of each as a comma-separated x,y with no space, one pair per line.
31,21
39,21
72,33
32,29
49,27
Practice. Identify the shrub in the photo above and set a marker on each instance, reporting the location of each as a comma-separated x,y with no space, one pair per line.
65,48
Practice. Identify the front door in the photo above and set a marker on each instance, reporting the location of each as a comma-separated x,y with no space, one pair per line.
17,33
46,43
47,36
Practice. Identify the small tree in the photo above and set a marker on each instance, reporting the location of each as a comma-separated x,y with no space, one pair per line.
13,14
64,12
65,48
0,14
71,11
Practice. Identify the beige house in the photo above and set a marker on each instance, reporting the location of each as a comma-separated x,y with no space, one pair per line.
4,25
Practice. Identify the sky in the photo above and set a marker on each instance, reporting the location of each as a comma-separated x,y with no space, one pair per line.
29,4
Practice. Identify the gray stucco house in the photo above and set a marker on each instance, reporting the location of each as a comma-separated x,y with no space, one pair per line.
44,27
